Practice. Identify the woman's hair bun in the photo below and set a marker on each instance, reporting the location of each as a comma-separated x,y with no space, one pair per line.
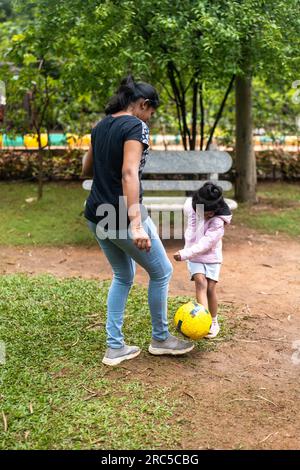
130,91
127,85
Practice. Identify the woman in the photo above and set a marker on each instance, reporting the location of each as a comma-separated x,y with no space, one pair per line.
116,158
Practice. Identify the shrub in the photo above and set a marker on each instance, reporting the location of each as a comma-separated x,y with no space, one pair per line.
276,164
57,165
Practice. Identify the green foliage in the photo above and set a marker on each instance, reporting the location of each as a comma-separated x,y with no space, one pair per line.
24,165
273,106
275,164
36,75
278,164
5,10
197,41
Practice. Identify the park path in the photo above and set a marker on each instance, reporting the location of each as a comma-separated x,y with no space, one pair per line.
259,270
246,393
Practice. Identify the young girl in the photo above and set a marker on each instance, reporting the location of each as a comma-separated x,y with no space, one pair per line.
203,245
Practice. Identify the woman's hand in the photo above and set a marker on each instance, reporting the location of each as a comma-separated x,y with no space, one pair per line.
177,256
140,238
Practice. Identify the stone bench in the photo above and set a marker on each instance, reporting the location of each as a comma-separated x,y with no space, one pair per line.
205,165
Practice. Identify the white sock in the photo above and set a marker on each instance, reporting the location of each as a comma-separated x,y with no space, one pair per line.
215,319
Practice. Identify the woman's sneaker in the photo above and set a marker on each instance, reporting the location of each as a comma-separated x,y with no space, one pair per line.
113,357
171,345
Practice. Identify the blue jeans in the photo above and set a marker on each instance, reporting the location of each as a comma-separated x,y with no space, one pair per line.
122,255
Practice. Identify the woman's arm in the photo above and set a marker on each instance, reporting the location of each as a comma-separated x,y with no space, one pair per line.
131,188
87,163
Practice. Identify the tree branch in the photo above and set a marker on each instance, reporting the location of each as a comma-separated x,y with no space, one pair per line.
220,112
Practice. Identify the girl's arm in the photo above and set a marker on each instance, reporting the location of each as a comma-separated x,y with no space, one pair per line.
87,163
211,237
131,189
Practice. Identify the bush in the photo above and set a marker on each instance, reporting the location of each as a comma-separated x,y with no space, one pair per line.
276,164
66,165
57,165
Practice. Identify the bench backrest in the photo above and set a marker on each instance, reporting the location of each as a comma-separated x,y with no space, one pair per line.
184,162
210,163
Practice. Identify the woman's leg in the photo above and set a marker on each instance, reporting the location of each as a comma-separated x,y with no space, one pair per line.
201,289
123,274
159,268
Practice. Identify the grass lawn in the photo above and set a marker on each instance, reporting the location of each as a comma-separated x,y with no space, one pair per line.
57,219
53,367
278,209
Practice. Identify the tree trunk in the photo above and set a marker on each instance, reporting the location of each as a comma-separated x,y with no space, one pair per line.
201,104
245,184
177,98
194,116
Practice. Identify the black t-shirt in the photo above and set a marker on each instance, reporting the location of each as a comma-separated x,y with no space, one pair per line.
108,138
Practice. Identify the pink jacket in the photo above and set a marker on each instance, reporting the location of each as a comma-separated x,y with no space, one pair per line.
203,244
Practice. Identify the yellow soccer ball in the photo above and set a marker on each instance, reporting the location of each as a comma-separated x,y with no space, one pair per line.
193,320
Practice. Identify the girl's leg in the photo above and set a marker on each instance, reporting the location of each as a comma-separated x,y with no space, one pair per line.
213,307
212,297
123,274
201,289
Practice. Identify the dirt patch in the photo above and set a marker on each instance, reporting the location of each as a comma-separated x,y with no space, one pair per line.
246,393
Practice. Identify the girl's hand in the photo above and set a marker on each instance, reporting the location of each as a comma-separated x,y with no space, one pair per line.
177,256
140,238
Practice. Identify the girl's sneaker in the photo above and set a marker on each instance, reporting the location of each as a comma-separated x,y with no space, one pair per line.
214,330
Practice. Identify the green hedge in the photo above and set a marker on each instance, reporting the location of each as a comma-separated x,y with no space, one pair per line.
275,164
57,165
62,165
